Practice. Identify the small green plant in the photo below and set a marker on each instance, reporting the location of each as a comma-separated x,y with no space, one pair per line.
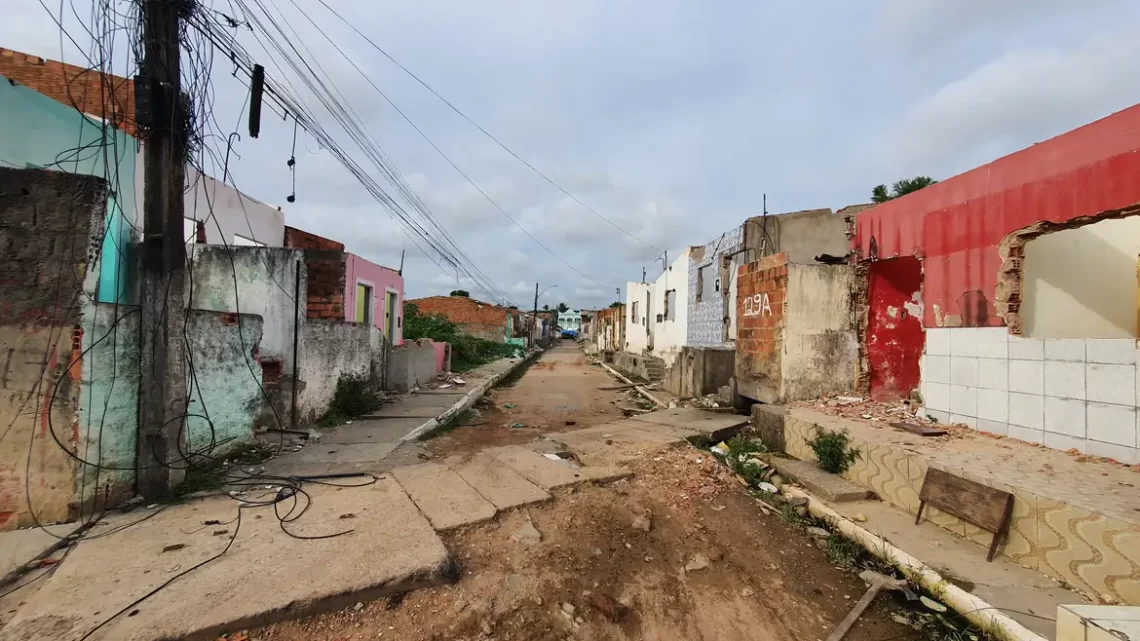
832,451
354,396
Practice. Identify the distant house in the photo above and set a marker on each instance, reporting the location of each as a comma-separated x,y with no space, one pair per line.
570,320
474,317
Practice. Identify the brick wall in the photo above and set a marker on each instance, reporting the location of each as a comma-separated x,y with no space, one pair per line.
325,265
92,92
760,308
473,317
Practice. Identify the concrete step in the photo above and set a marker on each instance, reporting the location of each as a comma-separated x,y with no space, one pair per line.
827,486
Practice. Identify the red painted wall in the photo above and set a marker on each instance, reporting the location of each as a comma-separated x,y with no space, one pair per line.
956,225
894,332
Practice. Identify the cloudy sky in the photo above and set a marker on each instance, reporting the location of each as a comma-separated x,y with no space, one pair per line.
670,118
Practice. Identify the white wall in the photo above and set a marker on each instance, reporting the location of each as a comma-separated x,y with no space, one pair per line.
635,338
1081,283
236,213
1062,392
672,333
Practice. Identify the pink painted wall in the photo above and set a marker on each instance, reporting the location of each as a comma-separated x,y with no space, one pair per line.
381,279
440,356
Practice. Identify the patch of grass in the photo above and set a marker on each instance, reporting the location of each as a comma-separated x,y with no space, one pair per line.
832,451
354,396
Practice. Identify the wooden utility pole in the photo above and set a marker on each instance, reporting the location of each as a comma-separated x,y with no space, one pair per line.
162,384
534,318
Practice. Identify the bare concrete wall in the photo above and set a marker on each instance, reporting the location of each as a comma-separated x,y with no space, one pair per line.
329,349
820,338
411,365
699,371
50,233
801,235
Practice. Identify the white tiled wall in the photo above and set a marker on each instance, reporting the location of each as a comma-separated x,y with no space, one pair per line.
1063,392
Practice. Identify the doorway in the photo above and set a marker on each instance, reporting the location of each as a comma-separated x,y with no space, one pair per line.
649,320
390,317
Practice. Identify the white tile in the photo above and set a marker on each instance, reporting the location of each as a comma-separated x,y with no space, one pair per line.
963,341
963,400
1064,416
936,396
993,405
1027,434
968,421
993,373
938,341
1111,383
1064,442
964,371
1112,424
1026,349
993,427
1026,410
1064,379
1027,377
1121,351
993,342
1065,349
939,416
1121,453
936,369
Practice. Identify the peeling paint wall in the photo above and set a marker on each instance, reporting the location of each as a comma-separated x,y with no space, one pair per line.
51,226
225,390
957,225
266,282
820,340
895,335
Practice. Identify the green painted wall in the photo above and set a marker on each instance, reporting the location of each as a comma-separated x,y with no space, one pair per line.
226,389
38,131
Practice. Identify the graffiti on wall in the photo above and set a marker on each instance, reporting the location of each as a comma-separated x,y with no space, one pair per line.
758,305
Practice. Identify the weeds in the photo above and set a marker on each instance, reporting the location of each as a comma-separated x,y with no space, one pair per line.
449,425
354,396
832,451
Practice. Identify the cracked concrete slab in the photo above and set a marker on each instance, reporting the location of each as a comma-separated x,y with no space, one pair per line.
496,482
265,575
716,425
18,547
550,474
443,496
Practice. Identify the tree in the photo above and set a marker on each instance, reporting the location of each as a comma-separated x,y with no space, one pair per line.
615,304
901,188
545,307
460,292
563,307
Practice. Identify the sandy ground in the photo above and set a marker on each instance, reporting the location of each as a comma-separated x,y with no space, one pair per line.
558,392
597,573
610,561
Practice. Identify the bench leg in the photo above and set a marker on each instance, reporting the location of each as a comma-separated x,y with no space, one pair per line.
993,547
918,519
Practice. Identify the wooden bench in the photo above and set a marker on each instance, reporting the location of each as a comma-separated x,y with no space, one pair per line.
981,505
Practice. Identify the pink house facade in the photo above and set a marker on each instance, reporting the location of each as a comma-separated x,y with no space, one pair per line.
374,294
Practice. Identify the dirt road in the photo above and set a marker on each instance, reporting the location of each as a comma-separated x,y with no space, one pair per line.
558,392
677,552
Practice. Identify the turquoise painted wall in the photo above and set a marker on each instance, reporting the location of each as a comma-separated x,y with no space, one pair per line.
225,389
38,131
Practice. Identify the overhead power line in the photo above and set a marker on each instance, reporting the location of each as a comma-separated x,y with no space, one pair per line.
440,151
483,130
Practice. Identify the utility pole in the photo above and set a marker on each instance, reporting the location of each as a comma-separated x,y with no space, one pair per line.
162,384
534,318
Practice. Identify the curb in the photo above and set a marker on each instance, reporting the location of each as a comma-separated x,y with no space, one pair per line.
469,399
979,612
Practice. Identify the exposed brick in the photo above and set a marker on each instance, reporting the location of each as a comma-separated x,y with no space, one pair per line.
474,317
99,94
300,239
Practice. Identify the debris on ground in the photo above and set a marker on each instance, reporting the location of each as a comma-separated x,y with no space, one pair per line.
818,531
642,523
697,562
613,610
527,534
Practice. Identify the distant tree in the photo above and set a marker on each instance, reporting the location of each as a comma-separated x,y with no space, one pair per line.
546,308
901,188
460,292
563,307
615,304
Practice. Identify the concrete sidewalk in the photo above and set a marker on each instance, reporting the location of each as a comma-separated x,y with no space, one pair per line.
364,444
